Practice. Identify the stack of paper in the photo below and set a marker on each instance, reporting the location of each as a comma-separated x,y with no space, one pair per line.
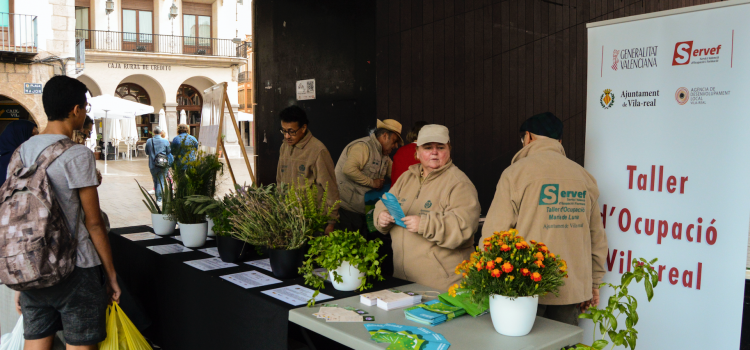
433,313
390,299
406,337
335,313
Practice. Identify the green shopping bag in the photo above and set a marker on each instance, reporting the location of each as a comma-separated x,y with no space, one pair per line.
121,333
462,300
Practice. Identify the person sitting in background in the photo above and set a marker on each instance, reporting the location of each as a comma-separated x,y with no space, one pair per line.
441,209
406,155
155,147
184,146
16,133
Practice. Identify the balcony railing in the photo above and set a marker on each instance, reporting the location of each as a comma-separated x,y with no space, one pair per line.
186,45
18,33
245,77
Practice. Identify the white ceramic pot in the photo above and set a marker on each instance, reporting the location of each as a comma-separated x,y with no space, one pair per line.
515,317
350,277
210,227
162,225
194,235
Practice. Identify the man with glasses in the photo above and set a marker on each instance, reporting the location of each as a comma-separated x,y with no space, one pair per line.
302,156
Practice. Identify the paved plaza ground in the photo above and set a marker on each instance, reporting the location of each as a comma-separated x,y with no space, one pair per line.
122,201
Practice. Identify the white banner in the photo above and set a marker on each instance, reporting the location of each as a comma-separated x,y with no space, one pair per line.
667,140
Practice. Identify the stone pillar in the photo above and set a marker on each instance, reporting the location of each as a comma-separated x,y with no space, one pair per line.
170,109
231,140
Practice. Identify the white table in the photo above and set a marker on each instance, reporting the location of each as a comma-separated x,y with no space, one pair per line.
464,332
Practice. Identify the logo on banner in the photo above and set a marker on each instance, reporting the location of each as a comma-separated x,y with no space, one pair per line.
635,58
607,99
684,53
640,98
682,96
615,61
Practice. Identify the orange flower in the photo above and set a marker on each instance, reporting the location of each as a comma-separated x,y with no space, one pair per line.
464,274
496,233
452,290
520,245
504,248
490,265
525,271
552,255
563,265
520,238
536,277
507,267
499,260
539,264
513,231
533,241
479,266
539,256
544,249
505,234
495,273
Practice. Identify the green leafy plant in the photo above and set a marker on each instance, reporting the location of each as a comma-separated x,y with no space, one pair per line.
621,303
264,217
195,173
315,211
336,248
218,210
167,198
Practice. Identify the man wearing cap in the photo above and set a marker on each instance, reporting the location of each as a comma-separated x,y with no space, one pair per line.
303,157
363,165
551,199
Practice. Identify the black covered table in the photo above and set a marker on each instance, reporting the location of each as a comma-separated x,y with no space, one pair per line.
193,309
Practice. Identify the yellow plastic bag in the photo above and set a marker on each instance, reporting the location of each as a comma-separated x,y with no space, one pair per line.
121,333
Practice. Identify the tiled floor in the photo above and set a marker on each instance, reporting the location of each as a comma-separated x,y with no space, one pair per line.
120,198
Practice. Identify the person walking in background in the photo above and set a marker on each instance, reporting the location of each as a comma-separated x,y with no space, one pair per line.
184,146
16,133
528,188
406,156
363,165
77,304
158,151
303,157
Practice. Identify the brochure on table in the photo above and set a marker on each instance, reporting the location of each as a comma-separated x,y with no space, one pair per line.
209,264
295,294
250,279
170,248
210,251
140,236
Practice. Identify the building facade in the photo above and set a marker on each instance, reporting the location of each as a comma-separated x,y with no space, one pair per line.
245,94
162,53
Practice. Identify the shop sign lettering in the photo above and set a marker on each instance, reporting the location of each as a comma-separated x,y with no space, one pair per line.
133,66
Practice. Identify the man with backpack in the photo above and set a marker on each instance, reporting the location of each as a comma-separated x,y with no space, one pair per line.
159,154
54,247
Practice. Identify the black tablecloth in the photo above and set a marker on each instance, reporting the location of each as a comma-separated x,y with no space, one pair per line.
193,309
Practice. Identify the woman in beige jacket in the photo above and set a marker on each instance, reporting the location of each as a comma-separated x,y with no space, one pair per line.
441,211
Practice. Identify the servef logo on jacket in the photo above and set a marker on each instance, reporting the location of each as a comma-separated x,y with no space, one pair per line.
548,195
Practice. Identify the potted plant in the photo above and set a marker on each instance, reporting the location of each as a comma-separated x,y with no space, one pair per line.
220,211
621,304
194,174
162,218
282,219
513,274
349,258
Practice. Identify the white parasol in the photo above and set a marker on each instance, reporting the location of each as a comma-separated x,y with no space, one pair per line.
183,117
163,123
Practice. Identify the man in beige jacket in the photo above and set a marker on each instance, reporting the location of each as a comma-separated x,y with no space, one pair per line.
363,165
302,156
551,199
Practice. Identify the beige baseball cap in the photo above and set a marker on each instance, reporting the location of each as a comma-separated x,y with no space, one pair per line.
433,133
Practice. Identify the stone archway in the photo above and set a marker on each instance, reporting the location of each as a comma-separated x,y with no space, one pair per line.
11,110
91,85
143,89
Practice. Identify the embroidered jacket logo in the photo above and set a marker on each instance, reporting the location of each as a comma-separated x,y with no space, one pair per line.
428,204
551,193
302,167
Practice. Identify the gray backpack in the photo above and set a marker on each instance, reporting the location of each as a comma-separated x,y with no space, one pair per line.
37,249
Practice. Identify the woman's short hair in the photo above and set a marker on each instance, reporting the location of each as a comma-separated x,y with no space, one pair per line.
414,132
157,130
183,128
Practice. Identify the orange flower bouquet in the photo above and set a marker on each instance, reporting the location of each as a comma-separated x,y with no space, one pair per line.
506,265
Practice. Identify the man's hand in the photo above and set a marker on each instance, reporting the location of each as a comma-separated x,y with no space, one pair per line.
385,219
378,183
412,223
593,302
18,302
329,228
113,289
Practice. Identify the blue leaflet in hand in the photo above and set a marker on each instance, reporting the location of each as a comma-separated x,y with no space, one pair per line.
391,203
